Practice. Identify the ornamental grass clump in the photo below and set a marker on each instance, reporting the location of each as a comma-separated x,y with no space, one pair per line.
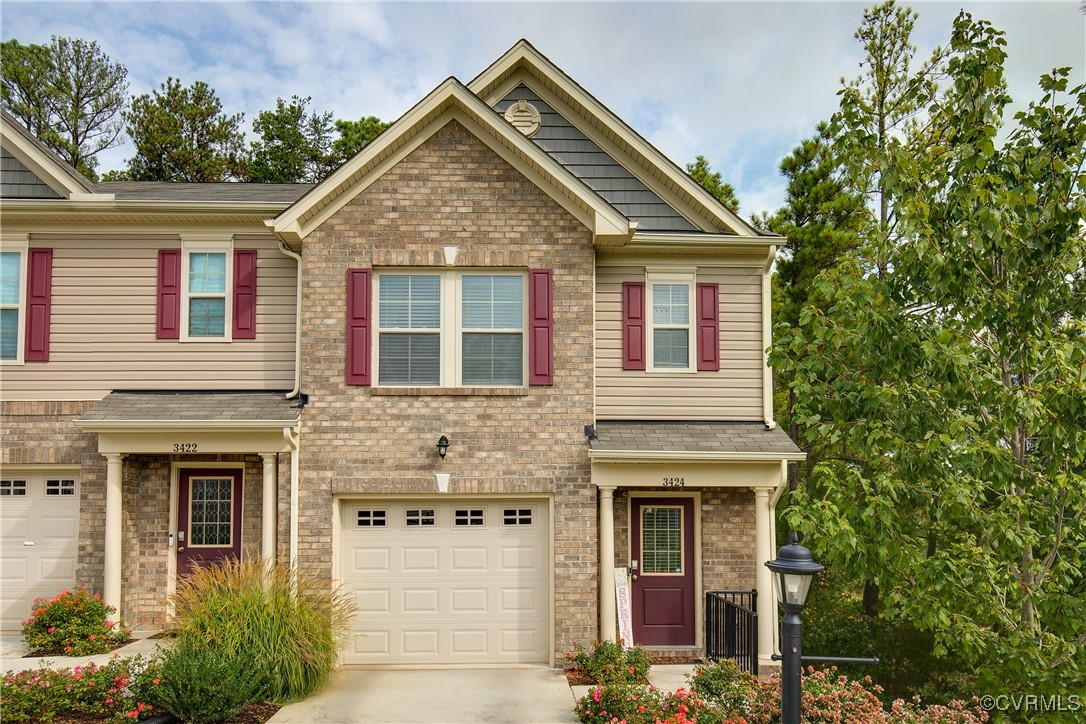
289,623
73,623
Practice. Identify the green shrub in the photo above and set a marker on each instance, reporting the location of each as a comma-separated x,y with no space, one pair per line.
725,686
73,623
611,662
289,623
619,701
43,694
204,685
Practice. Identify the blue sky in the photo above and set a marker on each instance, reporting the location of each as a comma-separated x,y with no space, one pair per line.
740,83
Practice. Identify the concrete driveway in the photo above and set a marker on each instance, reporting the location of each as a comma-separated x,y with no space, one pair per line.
437,696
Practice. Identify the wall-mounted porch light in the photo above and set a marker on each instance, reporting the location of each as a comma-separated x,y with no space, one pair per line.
442,446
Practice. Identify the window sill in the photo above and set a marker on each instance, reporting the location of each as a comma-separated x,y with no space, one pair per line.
451,391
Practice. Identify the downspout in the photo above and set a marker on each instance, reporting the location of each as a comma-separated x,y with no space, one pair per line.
283,248
767,338
291,436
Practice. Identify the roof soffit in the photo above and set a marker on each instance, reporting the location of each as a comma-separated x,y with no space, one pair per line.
452,101
523,63
42,162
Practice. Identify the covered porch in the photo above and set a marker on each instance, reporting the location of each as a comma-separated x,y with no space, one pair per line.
189,477
665,487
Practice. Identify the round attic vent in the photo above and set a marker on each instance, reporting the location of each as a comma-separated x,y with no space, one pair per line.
524,116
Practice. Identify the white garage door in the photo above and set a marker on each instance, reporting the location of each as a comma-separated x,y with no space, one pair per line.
447,582
39,531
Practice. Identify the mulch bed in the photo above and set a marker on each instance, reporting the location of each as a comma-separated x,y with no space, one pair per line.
576,677
166,634
252,714
113,646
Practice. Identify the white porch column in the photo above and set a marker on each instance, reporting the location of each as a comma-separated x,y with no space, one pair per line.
767,603
608,617
269,511
112,566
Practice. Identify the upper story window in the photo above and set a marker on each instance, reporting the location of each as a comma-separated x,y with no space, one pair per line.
450,329
670,322
11,287
206,279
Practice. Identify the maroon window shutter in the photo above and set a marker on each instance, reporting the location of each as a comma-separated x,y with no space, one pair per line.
708,328
38,304
168,324
540,328
358,326
245,294
633,325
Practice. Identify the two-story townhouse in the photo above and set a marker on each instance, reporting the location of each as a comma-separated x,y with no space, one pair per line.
504,350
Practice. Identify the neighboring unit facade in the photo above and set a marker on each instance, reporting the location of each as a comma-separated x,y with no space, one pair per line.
198,370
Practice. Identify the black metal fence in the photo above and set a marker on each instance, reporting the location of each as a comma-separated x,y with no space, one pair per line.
731,627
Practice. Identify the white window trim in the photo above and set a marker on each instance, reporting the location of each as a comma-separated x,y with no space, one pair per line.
687,278
450,330
19,244
189,247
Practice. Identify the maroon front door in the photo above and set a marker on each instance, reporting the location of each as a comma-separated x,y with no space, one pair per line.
662,536
208,517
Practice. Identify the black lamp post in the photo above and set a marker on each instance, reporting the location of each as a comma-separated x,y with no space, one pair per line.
793,572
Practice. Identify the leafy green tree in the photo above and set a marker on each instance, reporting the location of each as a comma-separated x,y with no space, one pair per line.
182,134
69,94
702,172
354,135
944,357
295,146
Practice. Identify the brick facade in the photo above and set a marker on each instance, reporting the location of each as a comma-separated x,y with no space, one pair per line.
454,190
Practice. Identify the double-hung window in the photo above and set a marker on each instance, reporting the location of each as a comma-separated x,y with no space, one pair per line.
447,329
207,276
670,336
11,311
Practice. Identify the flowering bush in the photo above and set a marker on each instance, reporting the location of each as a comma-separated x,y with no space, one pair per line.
611,662
620,702
725,686
723,695
102,691
72,623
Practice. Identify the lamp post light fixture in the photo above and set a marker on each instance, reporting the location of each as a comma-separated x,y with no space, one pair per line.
442,446
793,572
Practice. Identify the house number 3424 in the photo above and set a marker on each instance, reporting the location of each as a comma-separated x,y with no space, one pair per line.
674,482
184,447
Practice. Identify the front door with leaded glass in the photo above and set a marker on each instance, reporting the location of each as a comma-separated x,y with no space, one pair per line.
208,517
662,538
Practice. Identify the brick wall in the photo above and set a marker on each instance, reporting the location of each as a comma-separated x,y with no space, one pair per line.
453,190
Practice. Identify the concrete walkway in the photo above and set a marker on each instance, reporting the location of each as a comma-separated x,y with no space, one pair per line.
528,694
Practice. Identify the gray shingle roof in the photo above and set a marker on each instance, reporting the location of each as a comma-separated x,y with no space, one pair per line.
193,406
698,437
284,194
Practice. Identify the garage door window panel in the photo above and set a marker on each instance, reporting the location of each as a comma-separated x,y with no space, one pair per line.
60,487
517,516
14,488
420,518
377,518
469,518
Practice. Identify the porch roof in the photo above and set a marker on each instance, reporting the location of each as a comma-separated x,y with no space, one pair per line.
191,409
618,440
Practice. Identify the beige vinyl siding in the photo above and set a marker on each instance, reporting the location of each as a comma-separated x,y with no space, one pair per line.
733,393
102,336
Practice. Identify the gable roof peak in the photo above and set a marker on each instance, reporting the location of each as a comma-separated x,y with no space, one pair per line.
54,171
664,173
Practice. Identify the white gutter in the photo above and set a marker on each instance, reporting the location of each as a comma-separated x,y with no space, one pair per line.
153,426
283,248
291,436
623,456
767,338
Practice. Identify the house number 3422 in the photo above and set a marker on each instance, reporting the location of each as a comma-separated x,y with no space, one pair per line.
674,482
184,447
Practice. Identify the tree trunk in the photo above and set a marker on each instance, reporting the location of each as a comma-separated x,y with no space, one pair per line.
871,599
